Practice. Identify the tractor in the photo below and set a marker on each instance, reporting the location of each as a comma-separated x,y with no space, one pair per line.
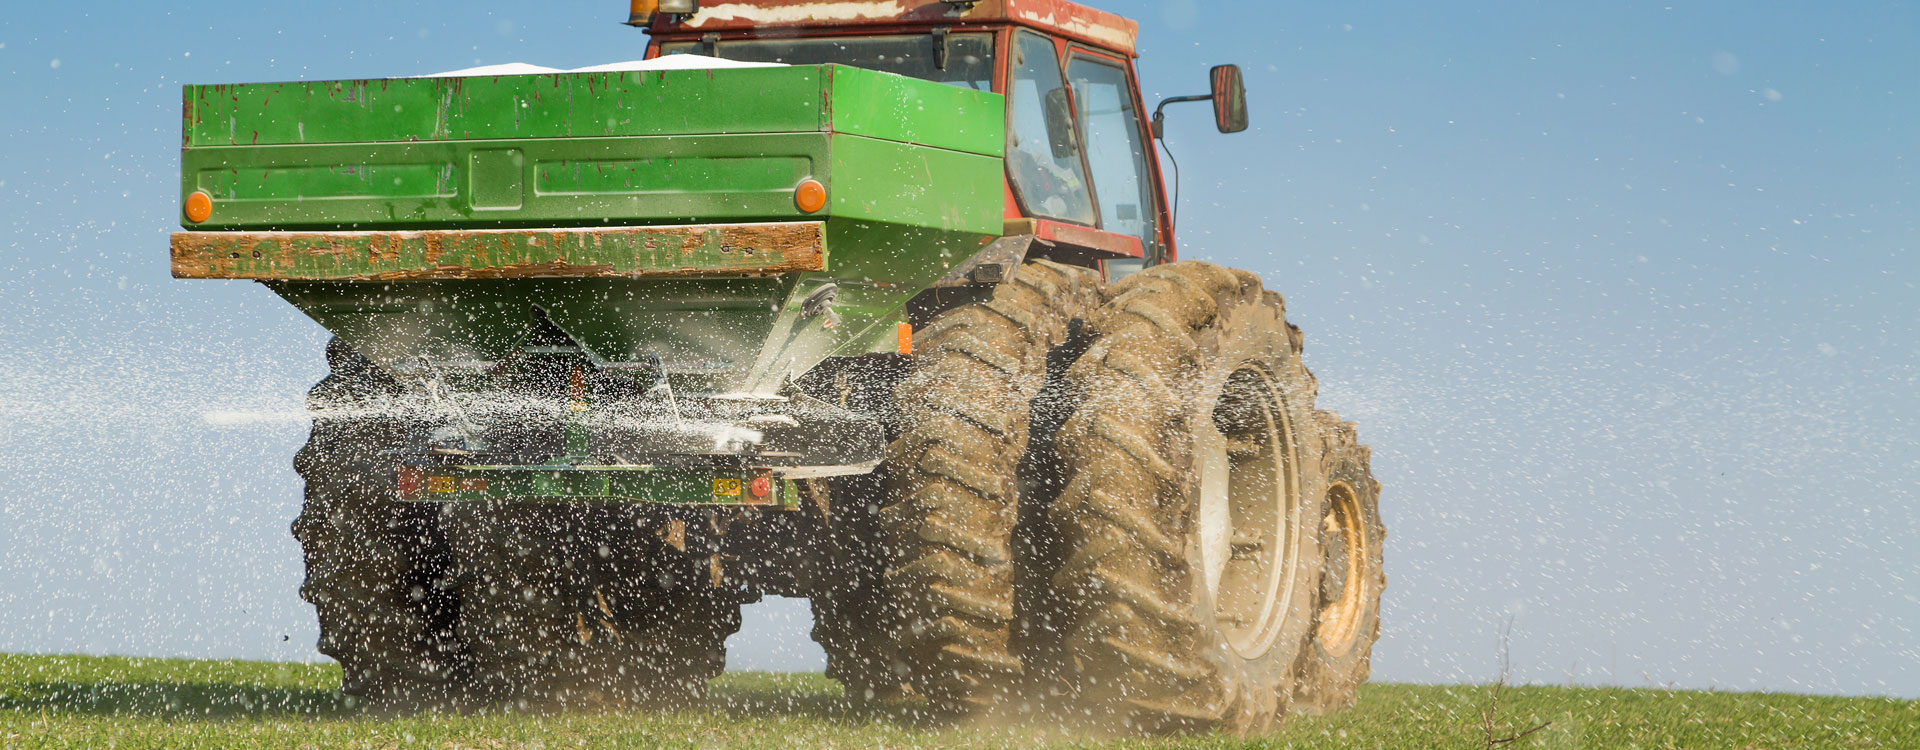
872,303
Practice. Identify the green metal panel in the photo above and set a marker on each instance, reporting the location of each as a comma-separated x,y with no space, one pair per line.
802,98
592,182
237,177
887,181
903,259
713,335
495,180
586,149
913,172
908,110
563,105
525,183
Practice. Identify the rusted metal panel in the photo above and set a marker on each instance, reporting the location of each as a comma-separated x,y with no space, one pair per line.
1083,236
1077,22
993,264
607,252
1071,20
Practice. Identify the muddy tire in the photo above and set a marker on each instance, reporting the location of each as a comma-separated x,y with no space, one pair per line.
951,488
377,570
1347,619
851,617
579,607
1189,517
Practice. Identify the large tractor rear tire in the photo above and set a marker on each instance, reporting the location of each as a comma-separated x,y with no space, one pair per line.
1189,520
573,607
952,494
377,569
1347,619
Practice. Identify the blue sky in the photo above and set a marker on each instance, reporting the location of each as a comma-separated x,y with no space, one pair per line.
1622,294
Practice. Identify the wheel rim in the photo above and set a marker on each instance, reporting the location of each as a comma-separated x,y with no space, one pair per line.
1347,557
1249,520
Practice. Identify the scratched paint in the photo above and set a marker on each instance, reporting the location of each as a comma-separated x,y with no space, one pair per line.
771,14
612,252
1119,39
1068,19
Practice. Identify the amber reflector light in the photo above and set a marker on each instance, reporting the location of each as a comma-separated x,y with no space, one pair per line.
199,206
811,196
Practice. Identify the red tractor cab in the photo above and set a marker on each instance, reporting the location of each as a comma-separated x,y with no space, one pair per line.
1082,172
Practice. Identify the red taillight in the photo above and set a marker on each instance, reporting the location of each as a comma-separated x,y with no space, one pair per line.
761,487
410,480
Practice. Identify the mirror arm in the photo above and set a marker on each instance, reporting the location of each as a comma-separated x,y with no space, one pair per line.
1160,134
1160,117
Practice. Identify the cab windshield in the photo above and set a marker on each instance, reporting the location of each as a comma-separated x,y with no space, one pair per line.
968,64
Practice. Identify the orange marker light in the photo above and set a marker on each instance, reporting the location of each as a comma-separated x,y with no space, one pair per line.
905,333
761,486
811,196
199,206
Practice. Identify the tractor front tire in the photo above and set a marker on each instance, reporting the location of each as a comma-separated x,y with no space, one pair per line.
1189,519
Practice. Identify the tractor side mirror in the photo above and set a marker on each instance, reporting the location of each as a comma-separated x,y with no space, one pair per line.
1229,98
1060,124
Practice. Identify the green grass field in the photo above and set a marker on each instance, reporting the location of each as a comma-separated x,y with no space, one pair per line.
73,701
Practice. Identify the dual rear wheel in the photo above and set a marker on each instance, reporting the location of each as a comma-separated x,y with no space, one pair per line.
1192,506
1200,546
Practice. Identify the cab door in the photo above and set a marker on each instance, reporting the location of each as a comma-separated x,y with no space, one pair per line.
1044,163
1079,164
1114,145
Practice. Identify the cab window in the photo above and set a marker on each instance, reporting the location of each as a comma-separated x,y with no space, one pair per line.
1105,109
1047,174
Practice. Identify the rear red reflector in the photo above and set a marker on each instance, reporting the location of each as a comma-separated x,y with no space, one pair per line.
409,482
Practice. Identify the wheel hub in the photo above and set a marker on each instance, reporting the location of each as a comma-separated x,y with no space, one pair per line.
1347,555
1249,519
